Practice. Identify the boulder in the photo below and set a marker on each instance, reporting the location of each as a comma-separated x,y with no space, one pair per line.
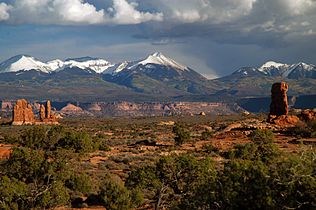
202,114
307,115
286,120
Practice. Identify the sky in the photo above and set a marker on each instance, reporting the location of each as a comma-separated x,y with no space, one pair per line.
213,37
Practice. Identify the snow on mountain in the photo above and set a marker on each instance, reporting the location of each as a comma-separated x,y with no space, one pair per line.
55,64
95,64
148,63
159,59
117,68
26,63
155,63
271,68
270,64
23,63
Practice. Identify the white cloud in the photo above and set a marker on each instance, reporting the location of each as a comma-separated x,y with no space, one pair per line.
126,13
4,11
77,11
189,16
299,7
55,12
212,11
72,12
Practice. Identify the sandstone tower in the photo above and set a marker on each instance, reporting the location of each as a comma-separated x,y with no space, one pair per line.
279,103
23,113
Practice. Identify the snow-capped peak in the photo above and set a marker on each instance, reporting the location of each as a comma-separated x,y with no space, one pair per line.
23,63
270,64
96,64
26,63
55,64
160,59
306,66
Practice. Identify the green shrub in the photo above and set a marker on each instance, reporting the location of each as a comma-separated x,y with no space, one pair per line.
114,195
172,179
13,193
307,130
40,137
206,135
209,148
288,182
78,141
52,138
244,186
182,135
261,148
39,177
262,136
250,151
80,182
104,147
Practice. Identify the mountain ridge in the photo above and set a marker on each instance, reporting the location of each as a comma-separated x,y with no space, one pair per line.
155,77
102,66
271,68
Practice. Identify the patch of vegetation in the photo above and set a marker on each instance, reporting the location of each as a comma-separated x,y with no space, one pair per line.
307,130
260,149
58,166
209,148
206,135
182,134
53,138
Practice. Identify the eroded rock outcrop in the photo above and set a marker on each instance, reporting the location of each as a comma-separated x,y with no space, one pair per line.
23,114
48,110
287,120
46,115
279,103
279,107
42,112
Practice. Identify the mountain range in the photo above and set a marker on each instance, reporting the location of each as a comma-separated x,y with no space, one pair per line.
156,77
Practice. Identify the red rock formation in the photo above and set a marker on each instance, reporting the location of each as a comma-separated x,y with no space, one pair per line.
287,120
279,103
42,112
48,109
23,113
279,107
71,108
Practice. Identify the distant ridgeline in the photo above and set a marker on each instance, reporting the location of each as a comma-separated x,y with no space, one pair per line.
262,104
255,105
125,108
